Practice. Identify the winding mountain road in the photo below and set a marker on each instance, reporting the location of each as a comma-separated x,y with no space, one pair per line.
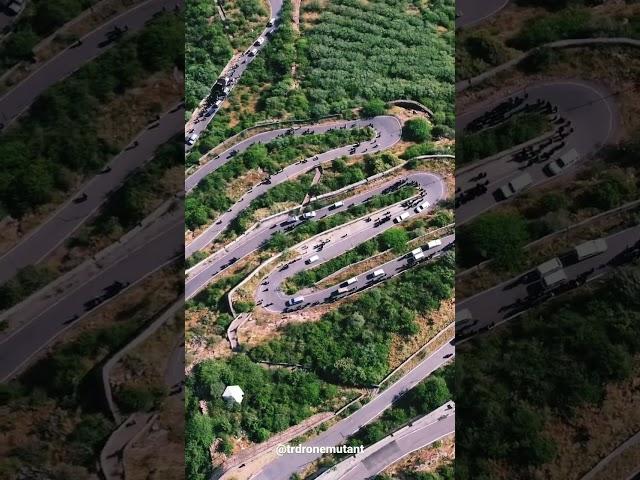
387,127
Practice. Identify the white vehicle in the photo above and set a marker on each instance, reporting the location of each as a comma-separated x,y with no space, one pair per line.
566,160
342,290
218,103
549,266
417,254
422,206
313,259
295,300
351,281
191,139
434,243
516,185
463,318
259,41
555,278
252,52
401,217
309,215
338,204
378,273
591,248
226,90
271,22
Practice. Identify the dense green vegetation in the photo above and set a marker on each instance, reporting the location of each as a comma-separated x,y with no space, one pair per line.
394,238
39,20
274,399
40,158
280,241
477,52
207,50
350,345
559,358
416,130
210,197
425,397
358,52
28,280
513,132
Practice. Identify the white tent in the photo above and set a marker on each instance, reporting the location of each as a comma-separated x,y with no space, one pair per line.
233,394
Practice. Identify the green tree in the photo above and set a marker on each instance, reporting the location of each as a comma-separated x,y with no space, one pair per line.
373,108
395,239
416,130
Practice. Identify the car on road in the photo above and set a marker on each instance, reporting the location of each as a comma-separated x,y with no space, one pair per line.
342,290
401,217
464,319
516,185
434,243
557,166
253,51
591,248
549,266
309,215
351,281
338,204
218,103
378,273
192,139
312,259
259,41
271,22
295,300
554,279
420,207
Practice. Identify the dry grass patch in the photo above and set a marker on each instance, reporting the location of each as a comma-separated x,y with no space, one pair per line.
425,460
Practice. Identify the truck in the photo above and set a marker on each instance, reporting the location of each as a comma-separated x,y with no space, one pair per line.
554,279
590,248
549,266
557,166
516,185
401,217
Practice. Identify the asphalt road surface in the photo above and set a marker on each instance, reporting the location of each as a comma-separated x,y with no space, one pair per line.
18,99
593,116
273,299
200,276
472,12
375,458
285,466
510,298
387,127
19,347
199,124
59,226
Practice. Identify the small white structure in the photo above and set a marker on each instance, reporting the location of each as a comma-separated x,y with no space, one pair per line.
233,394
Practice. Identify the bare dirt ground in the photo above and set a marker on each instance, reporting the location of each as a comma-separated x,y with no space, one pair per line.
425,460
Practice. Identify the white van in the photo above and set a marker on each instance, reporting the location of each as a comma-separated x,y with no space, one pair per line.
309,215
591,248
434,243
313,259
259,41
378,273
271,22
516,185
218,103
401,217
554,279
566,160
422,206
295,300
342,290
338,204
191,139
549,266
351,281
252,52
